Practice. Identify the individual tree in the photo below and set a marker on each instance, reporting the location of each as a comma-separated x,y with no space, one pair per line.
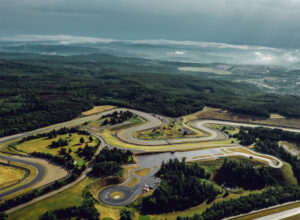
63,151
48,216
3,215
126,214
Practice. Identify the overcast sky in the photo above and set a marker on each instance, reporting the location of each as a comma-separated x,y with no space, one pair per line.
273,23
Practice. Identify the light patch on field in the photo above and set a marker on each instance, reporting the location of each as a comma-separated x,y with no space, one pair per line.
142,172
225,151
244,150
117,195
292,148
276,116
203,156
133,182
205,70
10,175
98,109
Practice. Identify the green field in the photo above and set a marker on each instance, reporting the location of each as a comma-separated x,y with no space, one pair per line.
69,197
166,131
230,130
42,145
10,175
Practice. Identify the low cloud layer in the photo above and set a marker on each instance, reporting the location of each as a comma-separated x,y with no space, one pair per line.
257,22
186,51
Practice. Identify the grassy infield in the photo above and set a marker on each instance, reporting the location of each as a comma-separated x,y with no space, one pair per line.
73,195
165,131
10,175
41,145
142,172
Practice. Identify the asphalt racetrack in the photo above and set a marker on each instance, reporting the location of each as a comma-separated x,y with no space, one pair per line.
40,174
152,161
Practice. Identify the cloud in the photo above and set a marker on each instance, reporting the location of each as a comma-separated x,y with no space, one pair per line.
187,51
172,53
255,22
263,58
69,39
61,39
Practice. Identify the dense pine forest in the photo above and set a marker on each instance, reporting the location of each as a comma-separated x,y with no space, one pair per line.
182,187
233,174
37,90
110,161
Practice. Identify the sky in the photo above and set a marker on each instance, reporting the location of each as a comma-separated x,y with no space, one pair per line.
273,23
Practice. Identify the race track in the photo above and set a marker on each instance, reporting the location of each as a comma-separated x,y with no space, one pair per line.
128,134
40,174
152,161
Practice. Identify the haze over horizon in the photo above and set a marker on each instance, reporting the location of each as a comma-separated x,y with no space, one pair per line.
272,23
158,49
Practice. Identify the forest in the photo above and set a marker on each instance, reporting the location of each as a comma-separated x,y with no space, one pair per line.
182,187
110,161
54,133
245,175
37,90
248,136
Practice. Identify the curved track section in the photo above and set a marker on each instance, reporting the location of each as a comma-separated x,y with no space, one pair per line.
40,174
154,162
128,134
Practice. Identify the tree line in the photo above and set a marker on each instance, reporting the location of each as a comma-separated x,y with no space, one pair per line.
248,136
60,143
233,173
66,161
116,118
244,204
86,210
54,133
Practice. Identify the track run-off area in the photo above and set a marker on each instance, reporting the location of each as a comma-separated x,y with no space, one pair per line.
151,153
